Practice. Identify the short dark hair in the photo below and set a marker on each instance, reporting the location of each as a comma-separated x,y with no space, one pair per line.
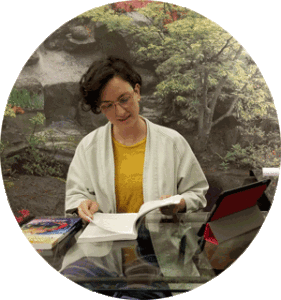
98,75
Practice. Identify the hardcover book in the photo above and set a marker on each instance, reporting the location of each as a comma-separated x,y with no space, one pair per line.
46,232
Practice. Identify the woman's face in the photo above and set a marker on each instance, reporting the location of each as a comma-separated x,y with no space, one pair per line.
120,103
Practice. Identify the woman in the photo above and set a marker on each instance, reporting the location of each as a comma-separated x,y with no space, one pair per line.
130,160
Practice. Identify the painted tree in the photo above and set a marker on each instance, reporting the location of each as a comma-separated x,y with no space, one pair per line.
199,65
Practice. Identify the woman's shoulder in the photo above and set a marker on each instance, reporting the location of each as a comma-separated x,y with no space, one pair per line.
165,132
92,138
170,138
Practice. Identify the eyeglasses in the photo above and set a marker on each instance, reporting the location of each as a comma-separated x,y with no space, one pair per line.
125,101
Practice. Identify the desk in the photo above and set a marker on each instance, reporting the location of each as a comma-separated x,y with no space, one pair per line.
167,260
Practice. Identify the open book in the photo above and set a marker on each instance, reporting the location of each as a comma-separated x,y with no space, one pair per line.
123,226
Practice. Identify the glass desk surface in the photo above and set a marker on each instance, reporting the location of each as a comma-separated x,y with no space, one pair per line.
165,258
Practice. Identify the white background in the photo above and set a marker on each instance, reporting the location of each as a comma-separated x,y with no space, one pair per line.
24,26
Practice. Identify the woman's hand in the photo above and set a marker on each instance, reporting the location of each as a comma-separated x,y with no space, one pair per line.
87,208
174,208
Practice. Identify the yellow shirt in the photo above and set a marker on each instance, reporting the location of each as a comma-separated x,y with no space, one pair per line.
129,161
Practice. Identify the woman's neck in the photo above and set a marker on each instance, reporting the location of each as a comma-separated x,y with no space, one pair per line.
131,135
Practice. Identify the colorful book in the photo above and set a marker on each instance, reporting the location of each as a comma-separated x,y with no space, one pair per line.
46,232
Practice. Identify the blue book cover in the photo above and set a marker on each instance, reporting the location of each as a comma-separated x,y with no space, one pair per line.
46,232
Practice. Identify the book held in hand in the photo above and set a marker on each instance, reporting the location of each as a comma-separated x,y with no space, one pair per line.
122,226
46,232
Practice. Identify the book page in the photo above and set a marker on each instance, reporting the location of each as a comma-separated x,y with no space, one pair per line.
94,233
124,223
151,205
121,223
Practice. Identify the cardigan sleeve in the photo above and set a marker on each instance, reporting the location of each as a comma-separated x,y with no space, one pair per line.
77,181
191,181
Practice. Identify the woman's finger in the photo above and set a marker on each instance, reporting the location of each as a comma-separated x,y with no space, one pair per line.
82,215
85,205
165,196
93,207
169,210
84,210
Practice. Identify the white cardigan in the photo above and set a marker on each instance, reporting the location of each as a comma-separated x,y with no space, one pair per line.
170,168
